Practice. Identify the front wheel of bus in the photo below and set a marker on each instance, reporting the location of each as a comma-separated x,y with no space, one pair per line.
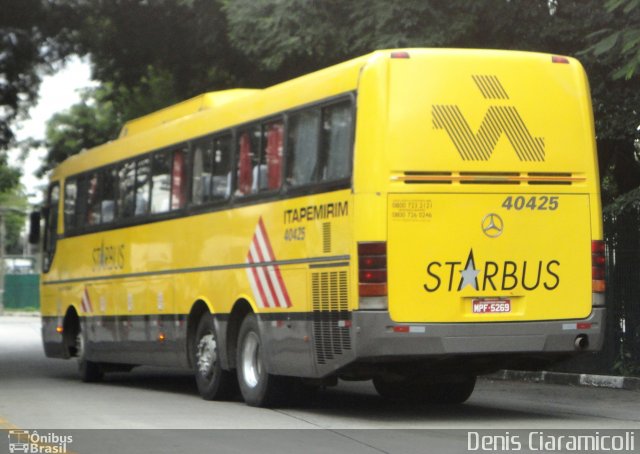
258,388
213,382
90,371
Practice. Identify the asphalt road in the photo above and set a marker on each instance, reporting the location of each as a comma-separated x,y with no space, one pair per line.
45,394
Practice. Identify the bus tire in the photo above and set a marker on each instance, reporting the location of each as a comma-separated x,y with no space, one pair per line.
454,391
212,381
89,371
258,388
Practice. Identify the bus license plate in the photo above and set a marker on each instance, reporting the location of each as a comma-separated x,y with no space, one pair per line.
491,306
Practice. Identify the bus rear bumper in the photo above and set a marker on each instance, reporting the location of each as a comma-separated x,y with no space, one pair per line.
377,336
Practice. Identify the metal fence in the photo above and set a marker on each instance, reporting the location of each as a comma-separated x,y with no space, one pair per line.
21,291
621,352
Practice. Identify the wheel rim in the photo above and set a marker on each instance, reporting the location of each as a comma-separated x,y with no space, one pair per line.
80,346
251,363
206,355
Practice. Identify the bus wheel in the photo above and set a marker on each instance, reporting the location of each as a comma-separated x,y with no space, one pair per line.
213,382
454,391
258,388
90,371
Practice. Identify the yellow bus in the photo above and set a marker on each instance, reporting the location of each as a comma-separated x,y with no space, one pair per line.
416,217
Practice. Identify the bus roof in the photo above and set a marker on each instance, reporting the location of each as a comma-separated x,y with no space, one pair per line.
216,111
199,103
213,112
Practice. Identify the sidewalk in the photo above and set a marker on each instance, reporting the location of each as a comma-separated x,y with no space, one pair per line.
562,378
18,313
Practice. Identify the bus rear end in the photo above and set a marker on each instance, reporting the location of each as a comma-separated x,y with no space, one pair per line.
492,239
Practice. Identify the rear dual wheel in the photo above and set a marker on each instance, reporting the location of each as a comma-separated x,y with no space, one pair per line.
213,382
258,388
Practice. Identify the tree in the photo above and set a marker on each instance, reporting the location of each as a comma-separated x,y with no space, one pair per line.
91,122
285,38
14,220
615,58
31,38
184,38
100,114
153,54
621,42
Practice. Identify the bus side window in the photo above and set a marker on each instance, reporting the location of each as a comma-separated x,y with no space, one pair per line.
93,199
51,225
70,194
143,186
271,158
302,149
109,188
126,180
160,183
221,184
202,172
248,161
335,153
179,179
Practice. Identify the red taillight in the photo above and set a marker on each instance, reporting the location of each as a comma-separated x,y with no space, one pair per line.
372,272
372,262
373,276
558,59
377,248
401,329
400,54
598,270
597,273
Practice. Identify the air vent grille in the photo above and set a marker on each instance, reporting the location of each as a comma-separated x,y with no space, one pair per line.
326,237
330,301
501,178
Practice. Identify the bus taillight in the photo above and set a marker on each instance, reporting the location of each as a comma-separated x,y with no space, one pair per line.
400,54
598,262
372,275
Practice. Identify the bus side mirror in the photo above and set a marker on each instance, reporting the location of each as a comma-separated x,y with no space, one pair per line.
34,227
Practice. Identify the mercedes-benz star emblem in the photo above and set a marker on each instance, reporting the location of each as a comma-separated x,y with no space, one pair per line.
492,225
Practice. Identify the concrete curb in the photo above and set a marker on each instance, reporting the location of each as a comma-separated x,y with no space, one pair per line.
562,378
12,313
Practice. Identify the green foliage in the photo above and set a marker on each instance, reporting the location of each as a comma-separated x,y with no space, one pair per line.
33,35
620,43
14,199
625,365
100,114
185,38
153,53
91,122
286,38
18,64
9,176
